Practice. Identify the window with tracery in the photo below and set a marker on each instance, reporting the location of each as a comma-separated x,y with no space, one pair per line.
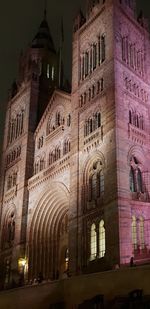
132,55
93,57
97,240
16,127
96,181
138,233
66,147
92,124
54,155
56,120
136,119
11,180
136,177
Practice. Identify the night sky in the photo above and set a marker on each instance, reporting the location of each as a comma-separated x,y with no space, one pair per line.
19,22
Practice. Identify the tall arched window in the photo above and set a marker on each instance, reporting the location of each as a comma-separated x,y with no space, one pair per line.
100,183
139,181
94,186
134,233
93,242
132,180
91,125
102,242
102,48
96,181
130,117
141,231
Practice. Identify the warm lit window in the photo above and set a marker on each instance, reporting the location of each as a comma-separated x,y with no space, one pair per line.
101,239
141,230
48,71
93,242
134,233
53,73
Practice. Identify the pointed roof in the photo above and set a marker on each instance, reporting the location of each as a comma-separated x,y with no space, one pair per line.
43,37
91,4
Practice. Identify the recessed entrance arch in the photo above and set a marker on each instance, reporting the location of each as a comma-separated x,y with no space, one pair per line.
49,233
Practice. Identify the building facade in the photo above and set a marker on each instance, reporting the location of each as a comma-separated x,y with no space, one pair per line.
75,179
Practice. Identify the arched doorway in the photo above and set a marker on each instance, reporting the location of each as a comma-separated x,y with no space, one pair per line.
49,233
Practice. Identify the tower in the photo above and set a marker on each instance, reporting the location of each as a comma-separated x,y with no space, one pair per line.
109,215
28,99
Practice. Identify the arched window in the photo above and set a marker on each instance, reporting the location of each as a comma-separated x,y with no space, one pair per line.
139,181
141,230
102,242
69,120
66,259
103,47
132,180
94,186
130,117
134,233
42,164
93,242
137,121
11,228
57,153
94,56
96,181
91,125
98,120
14,178
100,183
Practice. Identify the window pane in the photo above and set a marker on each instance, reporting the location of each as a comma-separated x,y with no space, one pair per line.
93,242
134,233
141,228
102,241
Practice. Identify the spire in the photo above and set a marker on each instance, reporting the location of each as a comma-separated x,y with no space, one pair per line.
60,77
93,3
43,37
45,10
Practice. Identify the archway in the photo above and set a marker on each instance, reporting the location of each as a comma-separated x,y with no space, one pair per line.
48,233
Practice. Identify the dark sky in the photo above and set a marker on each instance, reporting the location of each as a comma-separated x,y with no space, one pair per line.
19,22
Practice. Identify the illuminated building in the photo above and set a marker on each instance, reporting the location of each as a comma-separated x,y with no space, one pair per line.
75,179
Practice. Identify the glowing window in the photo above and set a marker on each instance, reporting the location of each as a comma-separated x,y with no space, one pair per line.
53,73
102,242
141,229
134,233
93,242
48,70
